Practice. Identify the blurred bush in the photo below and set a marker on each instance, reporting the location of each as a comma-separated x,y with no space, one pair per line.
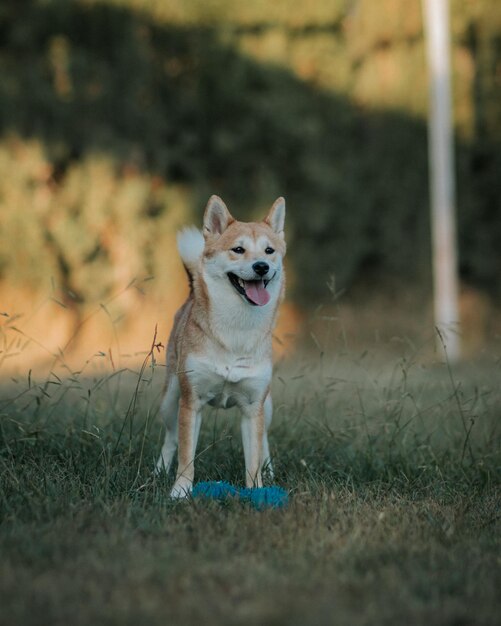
120,118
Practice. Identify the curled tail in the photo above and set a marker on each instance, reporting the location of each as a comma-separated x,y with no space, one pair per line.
190,244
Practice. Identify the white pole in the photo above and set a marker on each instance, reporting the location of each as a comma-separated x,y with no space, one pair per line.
441,166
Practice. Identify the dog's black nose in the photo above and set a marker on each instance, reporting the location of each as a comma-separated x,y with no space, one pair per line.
261,268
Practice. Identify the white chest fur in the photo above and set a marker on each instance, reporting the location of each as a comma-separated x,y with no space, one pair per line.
224,380
244,329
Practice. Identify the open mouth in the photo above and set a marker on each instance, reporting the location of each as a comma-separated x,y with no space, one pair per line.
254,291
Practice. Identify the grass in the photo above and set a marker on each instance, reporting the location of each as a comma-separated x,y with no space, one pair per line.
393,471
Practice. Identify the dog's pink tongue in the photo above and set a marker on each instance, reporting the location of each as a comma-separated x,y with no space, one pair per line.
256,291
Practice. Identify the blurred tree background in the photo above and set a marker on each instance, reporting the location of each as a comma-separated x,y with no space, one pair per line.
119,118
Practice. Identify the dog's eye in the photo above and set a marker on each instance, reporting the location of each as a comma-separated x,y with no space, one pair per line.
269,250
238,250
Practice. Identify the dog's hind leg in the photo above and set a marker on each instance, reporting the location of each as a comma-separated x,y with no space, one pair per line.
268,412
189,428
169,410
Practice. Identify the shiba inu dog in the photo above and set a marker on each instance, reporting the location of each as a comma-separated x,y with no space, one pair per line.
219,350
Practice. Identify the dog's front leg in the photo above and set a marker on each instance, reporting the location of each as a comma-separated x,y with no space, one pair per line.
268,412
252,439
188,430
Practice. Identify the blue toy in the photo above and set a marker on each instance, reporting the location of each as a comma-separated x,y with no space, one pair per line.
259,497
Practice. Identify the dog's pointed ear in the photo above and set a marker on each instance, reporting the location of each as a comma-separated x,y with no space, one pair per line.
276,217
217,218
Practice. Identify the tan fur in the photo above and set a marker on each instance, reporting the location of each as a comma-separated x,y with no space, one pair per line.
219,350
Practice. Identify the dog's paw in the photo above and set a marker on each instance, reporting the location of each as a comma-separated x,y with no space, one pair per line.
181,490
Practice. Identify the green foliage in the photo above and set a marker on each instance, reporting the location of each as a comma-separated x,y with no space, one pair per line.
137,111
93,232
